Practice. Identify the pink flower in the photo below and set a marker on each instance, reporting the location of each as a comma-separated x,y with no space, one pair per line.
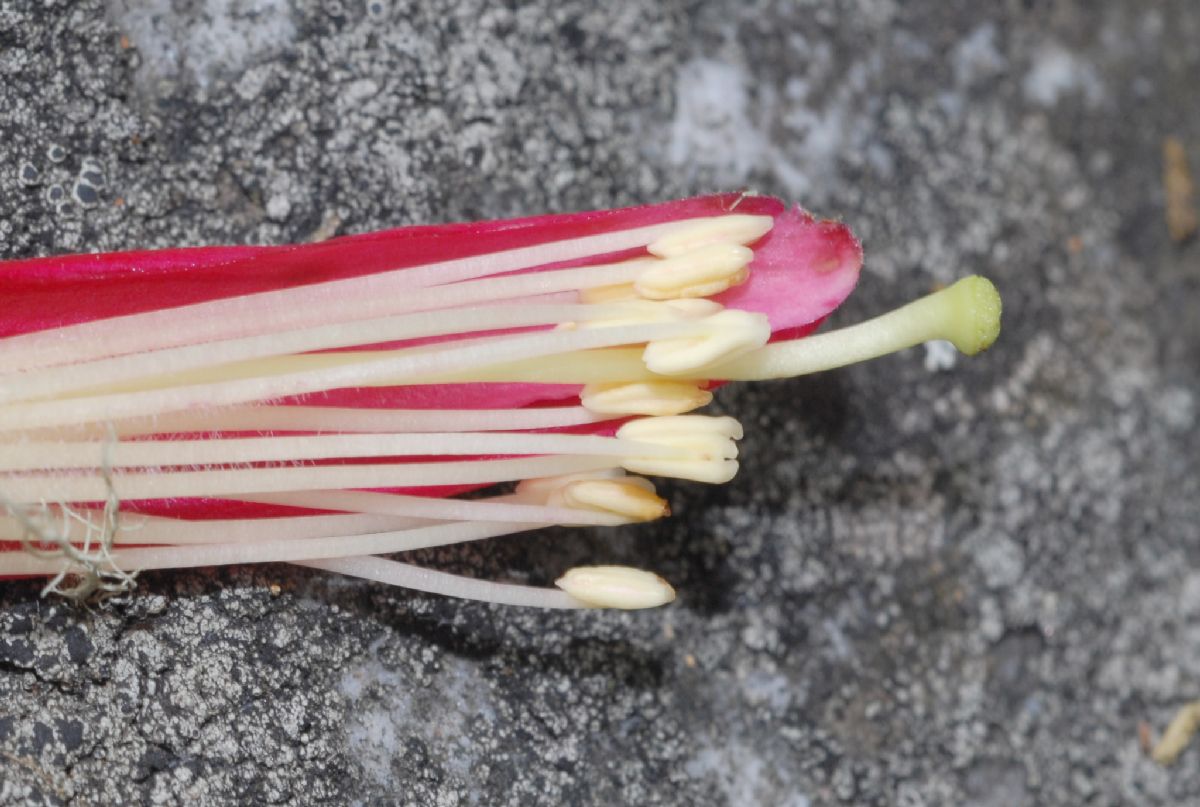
316,404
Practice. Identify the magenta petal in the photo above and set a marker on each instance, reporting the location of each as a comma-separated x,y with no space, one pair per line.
444,396
802,270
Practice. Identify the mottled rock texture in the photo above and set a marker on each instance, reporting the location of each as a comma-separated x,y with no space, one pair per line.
933,583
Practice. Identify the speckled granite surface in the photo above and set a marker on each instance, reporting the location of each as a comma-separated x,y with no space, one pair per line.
930,584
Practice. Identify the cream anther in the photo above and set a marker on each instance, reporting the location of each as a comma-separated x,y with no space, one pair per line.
701,272
616,587
733,229
732,333
540,490
710,472
645,398
708,441
630,497
683,430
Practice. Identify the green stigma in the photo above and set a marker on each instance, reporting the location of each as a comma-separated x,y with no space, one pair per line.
972,316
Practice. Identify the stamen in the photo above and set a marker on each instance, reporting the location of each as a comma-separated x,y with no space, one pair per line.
243,481
282,550
230,451
340,419
394,573
145,530
495,508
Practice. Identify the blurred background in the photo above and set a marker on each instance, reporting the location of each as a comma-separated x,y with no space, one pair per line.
935,581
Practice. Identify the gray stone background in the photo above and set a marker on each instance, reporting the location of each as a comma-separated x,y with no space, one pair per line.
932,583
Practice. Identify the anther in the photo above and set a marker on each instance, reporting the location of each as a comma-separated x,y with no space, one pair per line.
733,332
616,587
701,272
630,497
645,398
708,443
735,229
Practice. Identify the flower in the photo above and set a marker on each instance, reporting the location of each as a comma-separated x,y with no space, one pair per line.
316,404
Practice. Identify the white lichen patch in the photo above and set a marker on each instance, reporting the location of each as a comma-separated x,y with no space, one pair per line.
976,57
712,129
1057,73
229,36
743,776
940,355
386,707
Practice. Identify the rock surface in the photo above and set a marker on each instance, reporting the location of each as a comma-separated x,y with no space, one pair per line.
934,582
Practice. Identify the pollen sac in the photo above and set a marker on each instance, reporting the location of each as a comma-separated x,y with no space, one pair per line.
707,451
546,488
616,587
731,334
630,497
732,229
710,472
645,398
701,272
